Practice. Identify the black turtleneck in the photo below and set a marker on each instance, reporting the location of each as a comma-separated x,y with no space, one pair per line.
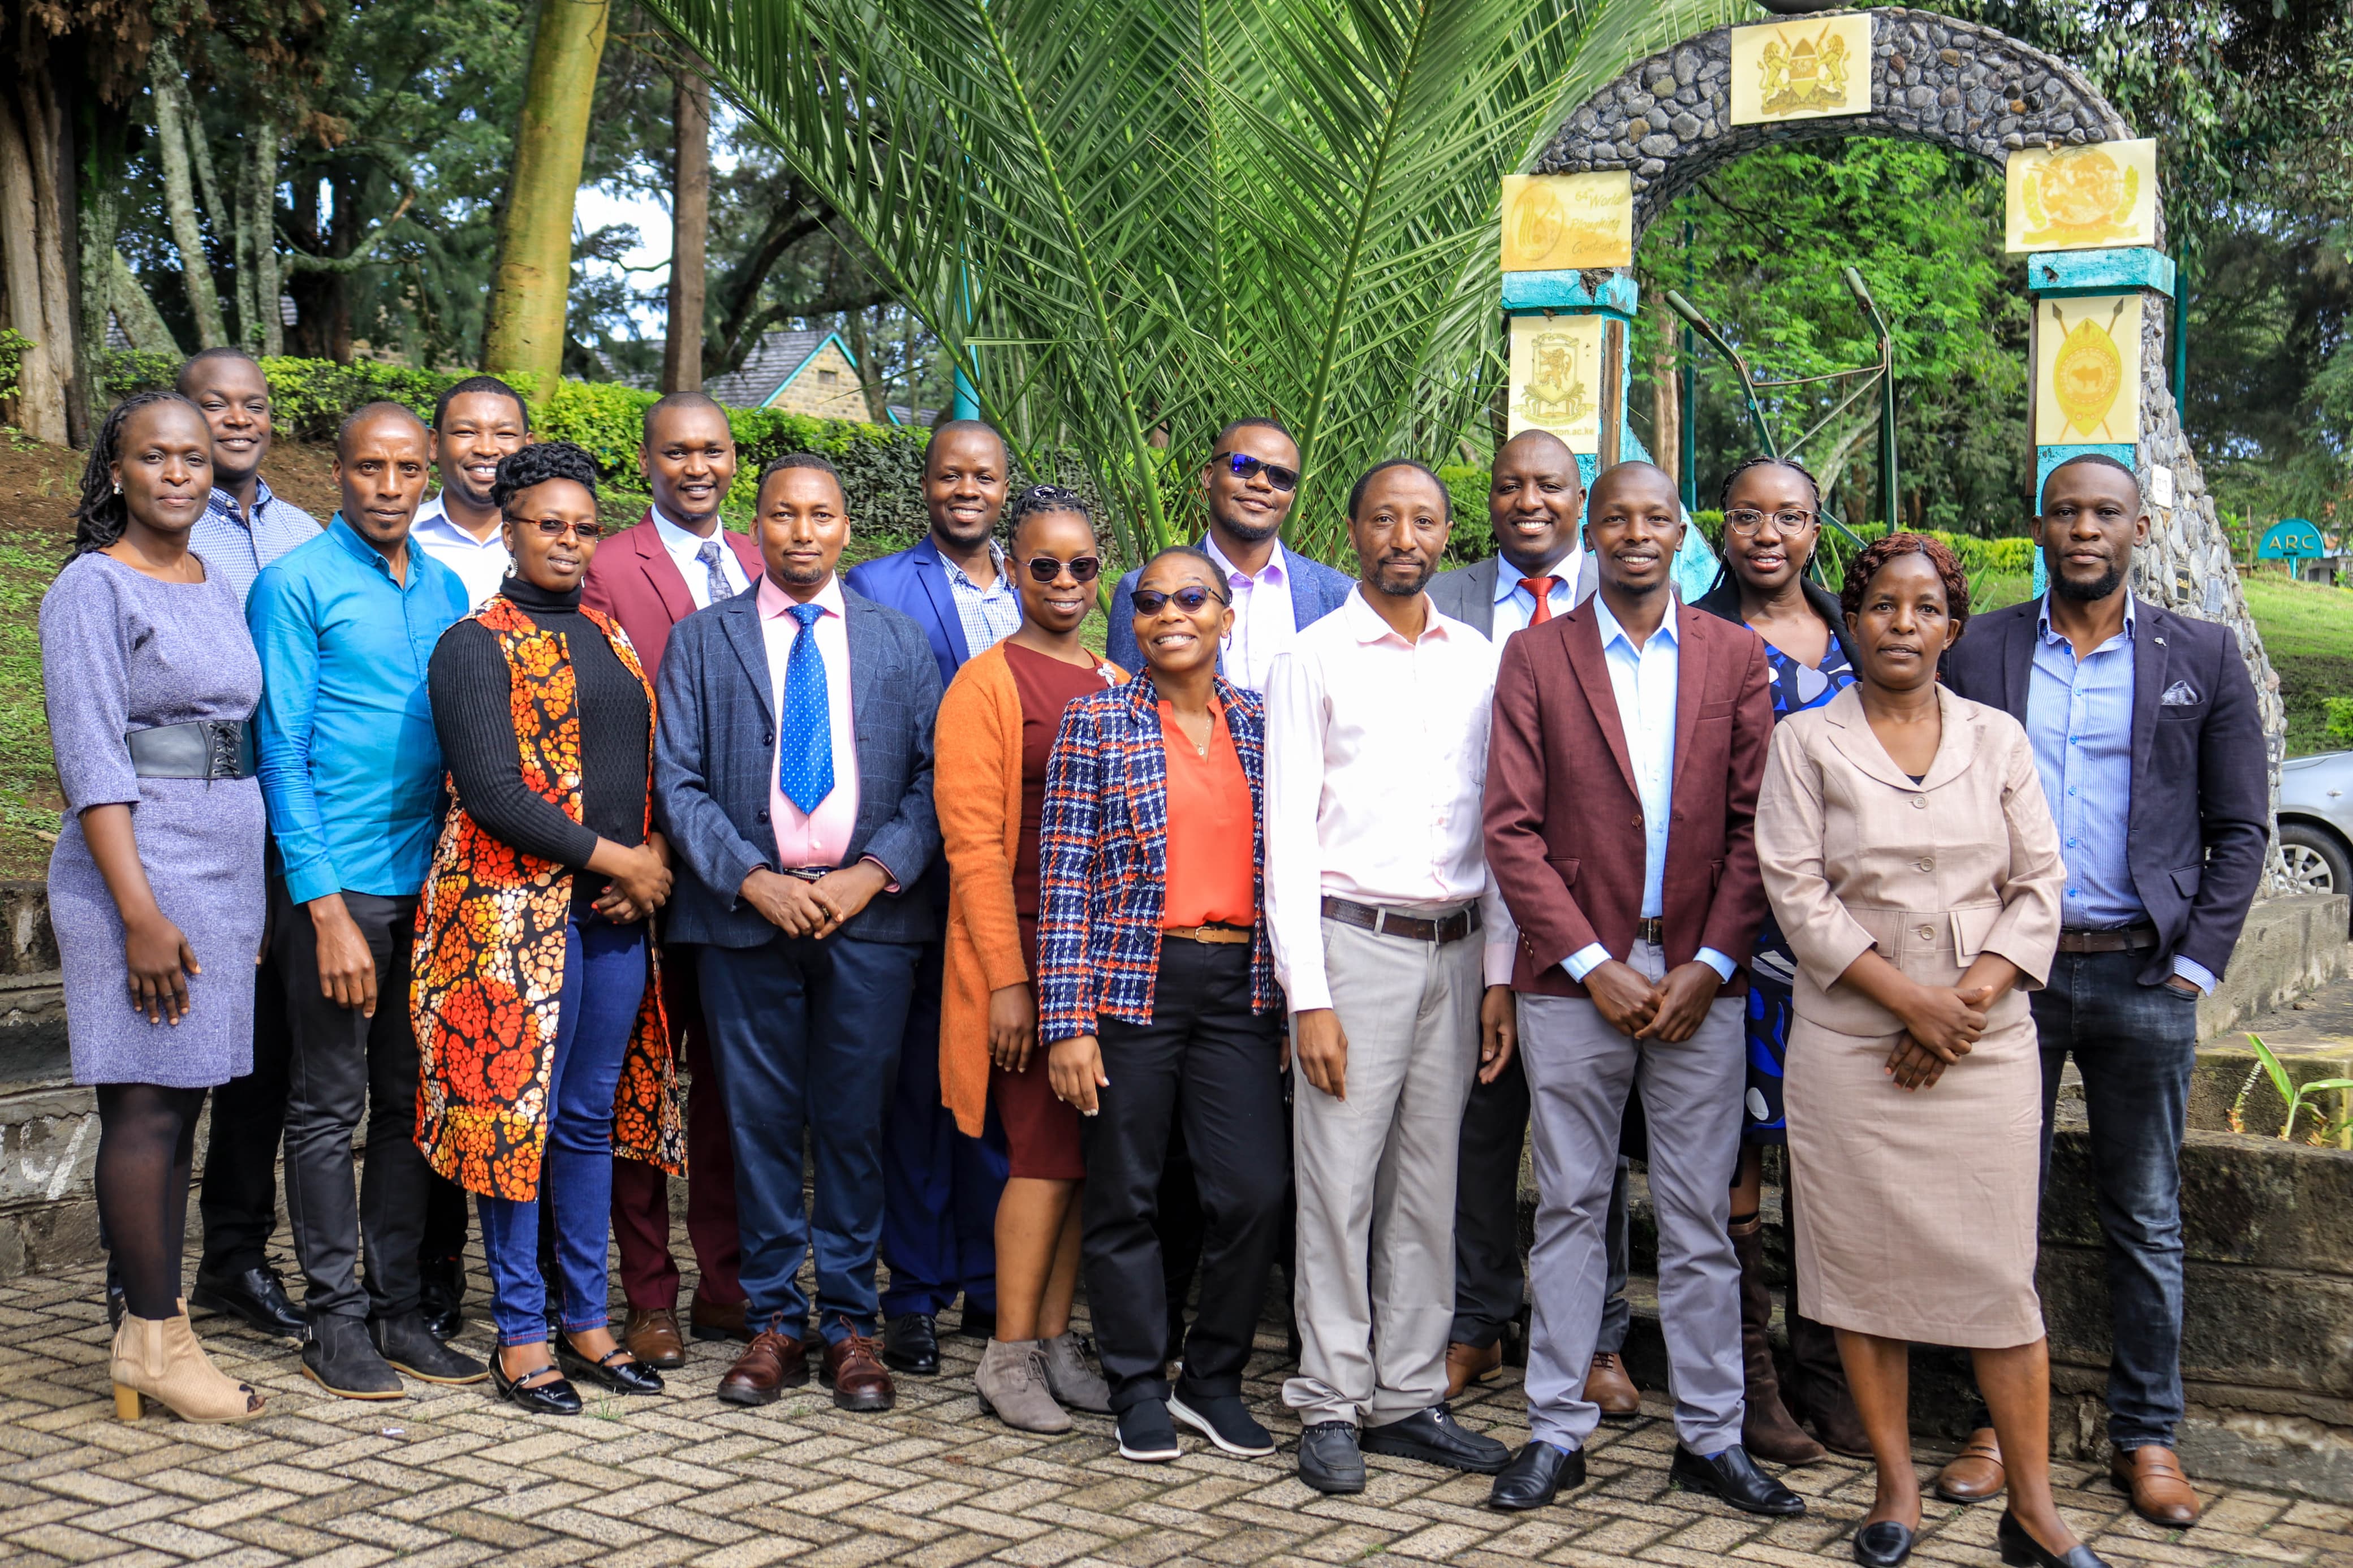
473,715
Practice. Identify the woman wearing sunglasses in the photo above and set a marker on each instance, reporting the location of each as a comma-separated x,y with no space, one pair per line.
1157,1001
543,1046
996,725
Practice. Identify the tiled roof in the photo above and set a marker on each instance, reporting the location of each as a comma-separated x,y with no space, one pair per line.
771,364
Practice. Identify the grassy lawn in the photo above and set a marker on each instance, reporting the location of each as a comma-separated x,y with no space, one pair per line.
2308,632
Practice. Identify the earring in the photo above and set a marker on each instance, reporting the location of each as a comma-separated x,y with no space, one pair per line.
118,487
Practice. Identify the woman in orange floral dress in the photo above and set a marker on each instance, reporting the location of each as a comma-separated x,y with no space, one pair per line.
543,1044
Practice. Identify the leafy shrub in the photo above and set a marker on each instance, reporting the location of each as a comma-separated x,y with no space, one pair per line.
13,344
2340,718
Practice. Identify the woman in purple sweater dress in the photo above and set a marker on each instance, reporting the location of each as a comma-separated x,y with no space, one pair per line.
155,887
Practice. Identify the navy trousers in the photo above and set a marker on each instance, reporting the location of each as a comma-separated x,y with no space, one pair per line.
939,1187
804,1035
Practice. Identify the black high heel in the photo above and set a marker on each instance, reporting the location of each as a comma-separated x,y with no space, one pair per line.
2021,1549
557,1398
622,1377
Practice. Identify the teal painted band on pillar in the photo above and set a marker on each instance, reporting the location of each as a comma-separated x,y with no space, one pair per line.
2058,274
1617,293
966,404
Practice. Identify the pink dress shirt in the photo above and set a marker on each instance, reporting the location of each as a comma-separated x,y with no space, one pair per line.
821,838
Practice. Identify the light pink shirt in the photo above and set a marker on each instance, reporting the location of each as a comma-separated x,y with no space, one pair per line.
821,838
1265,625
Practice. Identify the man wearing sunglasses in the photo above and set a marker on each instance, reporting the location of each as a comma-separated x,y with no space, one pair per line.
939,1187
1250,481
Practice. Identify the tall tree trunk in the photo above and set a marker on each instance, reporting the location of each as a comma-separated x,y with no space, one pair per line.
855,334
690,233
104,132
180,198
40,378
261,328
1667,412
45,143
140,321
525,335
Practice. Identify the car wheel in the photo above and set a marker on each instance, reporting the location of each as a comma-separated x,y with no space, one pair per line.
2315,858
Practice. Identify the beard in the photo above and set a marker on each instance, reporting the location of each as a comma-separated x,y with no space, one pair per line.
803,576
2098,588
1397,590
1248,532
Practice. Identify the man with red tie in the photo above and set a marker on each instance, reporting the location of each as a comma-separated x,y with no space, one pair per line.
677,560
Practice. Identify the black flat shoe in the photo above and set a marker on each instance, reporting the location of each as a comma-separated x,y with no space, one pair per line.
2021,1549
1330,1460
1732,1477
621,1376
910,1343
442,1296
255,1296
1882,1544
1537,1476
1435,1437
557,1398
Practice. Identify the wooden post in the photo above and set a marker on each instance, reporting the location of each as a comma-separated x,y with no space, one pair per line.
1613,394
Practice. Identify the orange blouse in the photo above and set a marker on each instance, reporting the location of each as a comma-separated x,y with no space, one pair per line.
1210,878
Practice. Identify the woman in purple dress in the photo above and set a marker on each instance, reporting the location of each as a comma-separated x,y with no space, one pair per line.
155,887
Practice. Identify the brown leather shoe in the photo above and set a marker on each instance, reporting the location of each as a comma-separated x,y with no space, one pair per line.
712,1320
652,1337
1467,1364
1978,1474
774,1363
2160,1493
854,1370
1607,1384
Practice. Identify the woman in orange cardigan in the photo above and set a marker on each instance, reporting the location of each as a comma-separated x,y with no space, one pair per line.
996,726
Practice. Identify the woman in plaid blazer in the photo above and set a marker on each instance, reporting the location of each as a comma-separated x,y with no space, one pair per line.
1156,997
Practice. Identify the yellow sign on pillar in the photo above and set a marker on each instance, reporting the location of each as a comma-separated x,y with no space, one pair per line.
1556,375
1803,69
1556,223
2087,371
2099,195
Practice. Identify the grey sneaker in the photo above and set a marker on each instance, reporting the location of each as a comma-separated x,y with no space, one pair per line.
1076,1385
1011,1379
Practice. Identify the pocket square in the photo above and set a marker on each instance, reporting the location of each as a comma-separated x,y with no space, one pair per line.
2180,694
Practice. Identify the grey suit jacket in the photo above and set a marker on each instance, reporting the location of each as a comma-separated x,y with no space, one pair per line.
1467,594
715,743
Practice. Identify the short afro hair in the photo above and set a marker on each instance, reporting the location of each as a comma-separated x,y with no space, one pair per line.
1866,562
537,464
474,384
804,460
1365,480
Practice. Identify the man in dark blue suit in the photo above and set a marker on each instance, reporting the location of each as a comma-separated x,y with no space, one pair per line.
939,1187
2153,759
793,773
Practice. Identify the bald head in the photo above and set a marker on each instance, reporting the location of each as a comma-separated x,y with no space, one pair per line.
1647,480
370,415
382,459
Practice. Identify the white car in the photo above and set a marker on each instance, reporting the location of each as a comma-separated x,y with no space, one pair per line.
2315,822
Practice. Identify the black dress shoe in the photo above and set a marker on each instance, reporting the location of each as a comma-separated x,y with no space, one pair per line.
1883,1544
2021,1549
621,1376
910,1343
442,1295
1733,1476
405,1342
556,1399
1330,1460
1537,1476
1435,1437
255,1296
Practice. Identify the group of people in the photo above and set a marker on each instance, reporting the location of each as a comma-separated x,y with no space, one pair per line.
912,931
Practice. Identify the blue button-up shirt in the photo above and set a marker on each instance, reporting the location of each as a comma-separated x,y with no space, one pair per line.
351,772
238,545
989,615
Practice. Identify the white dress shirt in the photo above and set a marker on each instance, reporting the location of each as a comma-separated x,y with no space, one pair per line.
1375,777
1644,680
480,563
1265,625
685,548
1515,607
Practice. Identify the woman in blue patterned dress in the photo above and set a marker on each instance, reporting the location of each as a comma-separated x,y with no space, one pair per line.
1772,520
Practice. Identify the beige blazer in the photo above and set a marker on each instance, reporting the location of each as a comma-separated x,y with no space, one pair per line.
1855,856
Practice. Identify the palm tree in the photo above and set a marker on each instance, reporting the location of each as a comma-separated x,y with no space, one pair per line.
1129,221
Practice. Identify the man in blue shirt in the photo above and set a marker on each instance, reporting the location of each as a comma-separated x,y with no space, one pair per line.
351,773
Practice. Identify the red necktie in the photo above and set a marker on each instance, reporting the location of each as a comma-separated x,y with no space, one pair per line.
1542,588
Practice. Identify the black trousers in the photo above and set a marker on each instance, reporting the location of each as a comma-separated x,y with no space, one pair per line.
346,1065
1207,1063
238,1199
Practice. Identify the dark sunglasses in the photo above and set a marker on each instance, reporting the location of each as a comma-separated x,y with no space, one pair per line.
1081,568
556,526
1152,601
1245,466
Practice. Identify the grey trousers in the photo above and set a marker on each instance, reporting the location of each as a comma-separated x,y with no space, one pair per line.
1580,1072
1375,1282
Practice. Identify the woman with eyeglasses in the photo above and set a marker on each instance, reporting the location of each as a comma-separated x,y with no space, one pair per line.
996,727
543,1044
1157,999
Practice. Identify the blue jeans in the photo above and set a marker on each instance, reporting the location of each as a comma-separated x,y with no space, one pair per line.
804,1035
2134,1044
604,982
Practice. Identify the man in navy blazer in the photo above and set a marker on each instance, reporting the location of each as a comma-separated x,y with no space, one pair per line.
939,1187
793,772
2153,758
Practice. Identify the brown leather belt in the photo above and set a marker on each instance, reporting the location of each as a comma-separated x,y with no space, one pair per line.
2122,939
1207,933
1652,930
1389,922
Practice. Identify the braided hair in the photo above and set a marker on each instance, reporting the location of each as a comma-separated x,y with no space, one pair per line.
1759,461
101,514
1039,501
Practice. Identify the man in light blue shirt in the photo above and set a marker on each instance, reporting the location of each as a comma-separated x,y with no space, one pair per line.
351,773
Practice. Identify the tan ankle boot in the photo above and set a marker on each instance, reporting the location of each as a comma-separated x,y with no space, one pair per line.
160,1358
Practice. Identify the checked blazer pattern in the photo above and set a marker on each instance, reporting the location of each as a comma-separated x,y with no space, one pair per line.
1102,852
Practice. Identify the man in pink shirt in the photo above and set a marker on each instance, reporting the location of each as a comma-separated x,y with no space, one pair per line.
793,773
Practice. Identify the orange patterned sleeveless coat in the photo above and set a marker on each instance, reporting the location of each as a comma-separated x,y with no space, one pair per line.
489,959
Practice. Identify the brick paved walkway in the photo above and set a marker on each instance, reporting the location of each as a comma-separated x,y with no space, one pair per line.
450,1477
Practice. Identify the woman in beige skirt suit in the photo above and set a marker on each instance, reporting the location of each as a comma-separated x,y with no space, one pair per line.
1914,870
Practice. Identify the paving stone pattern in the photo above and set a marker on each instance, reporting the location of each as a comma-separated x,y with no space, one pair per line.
450,1476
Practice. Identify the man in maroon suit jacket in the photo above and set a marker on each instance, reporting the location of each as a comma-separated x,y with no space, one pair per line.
649,577
1629,739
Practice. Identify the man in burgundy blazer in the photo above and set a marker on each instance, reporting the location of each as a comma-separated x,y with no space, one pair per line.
1629,739
650,576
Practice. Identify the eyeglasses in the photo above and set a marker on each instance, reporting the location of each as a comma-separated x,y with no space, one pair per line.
1245,466
1745,521
1152,601
556,527
1081,568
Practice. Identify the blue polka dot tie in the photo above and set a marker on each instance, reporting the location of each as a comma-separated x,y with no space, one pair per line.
804,756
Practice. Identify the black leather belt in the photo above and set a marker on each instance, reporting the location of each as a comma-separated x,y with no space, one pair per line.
1389,922
1652,930
2120,939
202,749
